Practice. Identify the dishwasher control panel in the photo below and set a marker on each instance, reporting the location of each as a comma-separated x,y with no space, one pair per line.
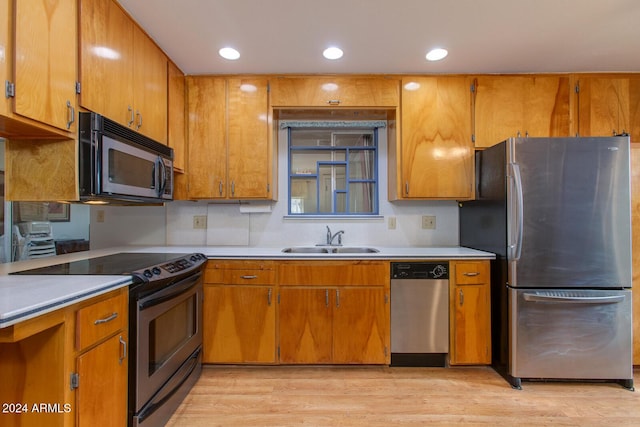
420,270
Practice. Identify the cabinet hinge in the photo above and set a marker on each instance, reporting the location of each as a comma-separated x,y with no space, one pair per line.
577,87
9,89
78,87
473,138
268,188
386,299
473,87
386,351
74,381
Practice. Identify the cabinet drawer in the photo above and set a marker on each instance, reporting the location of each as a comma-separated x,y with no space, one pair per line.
100,320
334,273
472,273
249,277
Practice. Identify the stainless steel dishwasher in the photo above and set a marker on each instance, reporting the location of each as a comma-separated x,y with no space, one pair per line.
419,313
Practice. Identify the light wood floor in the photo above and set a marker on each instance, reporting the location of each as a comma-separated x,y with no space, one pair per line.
383,396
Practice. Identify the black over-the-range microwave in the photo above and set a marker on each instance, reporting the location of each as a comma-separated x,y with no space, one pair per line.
119,165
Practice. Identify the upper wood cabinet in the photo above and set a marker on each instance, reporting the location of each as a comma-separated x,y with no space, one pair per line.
38,64
508,106
123,74
231,153
608,105
176,117
435,151
207,137
334,92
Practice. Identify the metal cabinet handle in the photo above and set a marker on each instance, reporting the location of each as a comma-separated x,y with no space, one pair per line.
71,114
220,187
269,297
406,188
233,188
106,319
338,298
123,343
326,297
139,115
472,274
131,116
248,277
461,298
333,102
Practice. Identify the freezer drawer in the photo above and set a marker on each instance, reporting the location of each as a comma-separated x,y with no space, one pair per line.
570,334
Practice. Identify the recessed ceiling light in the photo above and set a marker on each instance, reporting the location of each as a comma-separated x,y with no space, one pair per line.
229,53
436,54
332,53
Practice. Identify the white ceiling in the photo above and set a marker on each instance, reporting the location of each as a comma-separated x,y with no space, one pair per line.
393,36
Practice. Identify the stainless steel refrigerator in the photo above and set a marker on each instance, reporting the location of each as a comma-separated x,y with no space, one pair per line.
557,214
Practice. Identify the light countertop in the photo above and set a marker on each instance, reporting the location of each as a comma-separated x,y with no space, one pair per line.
23,297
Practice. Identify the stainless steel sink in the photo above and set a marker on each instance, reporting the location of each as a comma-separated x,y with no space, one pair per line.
355,250
330,250
307,250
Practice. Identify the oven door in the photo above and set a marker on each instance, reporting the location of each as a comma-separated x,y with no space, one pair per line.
131,171
169,332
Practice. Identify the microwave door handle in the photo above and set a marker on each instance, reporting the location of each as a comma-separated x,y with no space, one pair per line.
158,175
163,170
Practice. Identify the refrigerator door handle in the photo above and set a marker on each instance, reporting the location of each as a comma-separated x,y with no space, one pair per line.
612,299
516,244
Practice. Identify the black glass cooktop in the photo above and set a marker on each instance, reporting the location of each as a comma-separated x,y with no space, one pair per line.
122,263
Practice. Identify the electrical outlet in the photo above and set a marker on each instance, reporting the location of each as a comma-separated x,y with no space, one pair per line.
200,222
100,216
392,223
428,222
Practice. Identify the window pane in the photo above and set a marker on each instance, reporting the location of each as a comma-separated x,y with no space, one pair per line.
361,164
310,138
341,202
353,139
303,196
362,197
304,162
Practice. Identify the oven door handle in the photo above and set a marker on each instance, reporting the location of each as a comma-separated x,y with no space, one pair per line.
182,375
173,291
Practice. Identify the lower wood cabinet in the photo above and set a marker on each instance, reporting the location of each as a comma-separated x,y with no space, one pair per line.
340,325
240,324
239,312
64,369
100,379
470,313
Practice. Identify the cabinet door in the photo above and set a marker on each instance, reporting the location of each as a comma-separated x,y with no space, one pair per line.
609,105
360,326
45,61
305,319
102,392
207,137
240,324
176,117
249,140
437,152
149,97
471,333
105,60
334,91
505,106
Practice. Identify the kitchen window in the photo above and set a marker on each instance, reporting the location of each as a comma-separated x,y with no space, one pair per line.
333,168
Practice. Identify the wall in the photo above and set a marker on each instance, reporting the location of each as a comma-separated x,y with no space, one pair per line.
227,225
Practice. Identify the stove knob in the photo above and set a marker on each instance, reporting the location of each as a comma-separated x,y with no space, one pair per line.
147,273
194,258
156,270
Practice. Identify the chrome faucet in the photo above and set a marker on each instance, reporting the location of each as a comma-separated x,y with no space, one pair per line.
331,237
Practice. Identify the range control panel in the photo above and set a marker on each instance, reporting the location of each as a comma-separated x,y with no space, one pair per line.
420,270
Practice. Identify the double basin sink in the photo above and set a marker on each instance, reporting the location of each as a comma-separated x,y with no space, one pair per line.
330,250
